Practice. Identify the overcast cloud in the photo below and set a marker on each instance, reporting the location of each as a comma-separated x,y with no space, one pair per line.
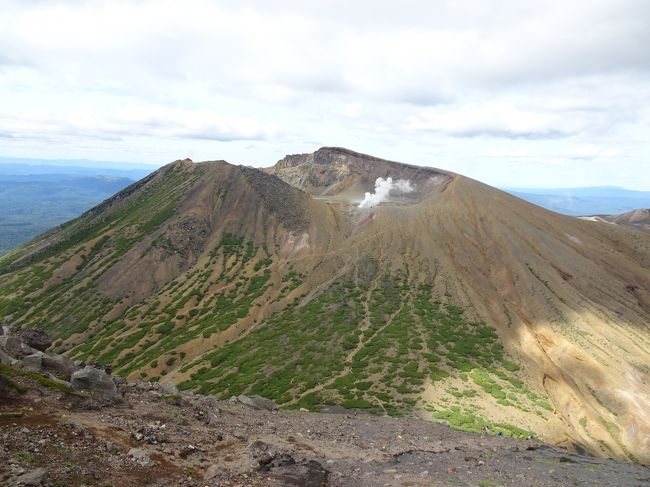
513,93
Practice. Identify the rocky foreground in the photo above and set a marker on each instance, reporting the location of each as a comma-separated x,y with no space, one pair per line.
66,424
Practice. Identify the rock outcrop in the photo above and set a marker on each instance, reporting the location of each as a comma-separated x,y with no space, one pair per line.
93,379
35,338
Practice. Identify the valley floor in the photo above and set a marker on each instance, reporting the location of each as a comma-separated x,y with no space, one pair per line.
55,439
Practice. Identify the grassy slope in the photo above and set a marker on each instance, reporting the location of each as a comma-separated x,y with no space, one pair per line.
41,292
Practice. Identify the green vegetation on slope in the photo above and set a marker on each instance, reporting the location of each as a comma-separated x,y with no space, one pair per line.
66,306
194,309
360,347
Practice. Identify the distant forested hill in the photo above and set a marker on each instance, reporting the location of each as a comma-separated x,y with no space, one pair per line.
39,194
30,205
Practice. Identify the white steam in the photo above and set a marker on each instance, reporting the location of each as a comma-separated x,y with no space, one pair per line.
383,187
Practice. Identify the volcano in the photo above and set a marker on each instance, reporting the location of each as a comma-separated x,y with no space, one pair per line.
446,299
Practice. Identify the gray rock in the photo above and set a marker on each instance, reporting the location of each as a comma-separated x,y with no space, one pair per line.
139,386
216,471
12,346
32,363
141,457
6,359
59,364
35,338
168,389
207,408
205,403
111,447
33,477
92,379
258,402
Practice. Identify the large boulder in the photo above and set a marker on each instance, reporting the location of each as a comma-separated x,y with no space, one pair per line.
33,477
14,346
168,389
32,363
140,456
35,338
6,359
59,364
92,379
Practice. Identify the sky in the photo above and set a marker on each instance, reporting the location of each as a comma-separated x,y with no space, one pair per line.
513,93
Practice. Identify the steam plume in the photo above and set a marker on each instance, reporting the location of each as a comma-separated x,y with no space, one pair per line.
383,187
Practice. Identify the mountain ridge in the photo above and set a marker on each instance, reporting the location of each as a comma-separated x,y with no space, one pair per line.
453,300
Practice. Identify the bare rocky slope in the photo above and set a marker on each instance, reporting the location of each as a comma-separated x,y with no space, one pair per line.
453,302
57,429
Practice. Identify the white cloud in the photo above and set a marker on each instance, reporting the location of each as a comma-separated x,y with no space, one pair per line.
135,120
425,82
501,119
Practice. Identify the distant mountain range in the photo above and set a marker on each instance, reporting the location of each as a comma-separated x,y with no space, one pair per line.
603,200
39,194
15,166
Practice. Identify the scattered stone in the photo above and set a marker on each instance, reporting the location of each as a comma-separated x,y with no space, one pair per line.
264,460
258,448
316,475
206,408
139,456
139,386
33,477
240,435
283,460
168,389
215,471
187,451
151,435
111,447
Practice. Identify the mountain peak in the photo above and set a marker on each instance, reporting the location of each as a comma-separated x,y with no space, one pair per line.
332,171
453,301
